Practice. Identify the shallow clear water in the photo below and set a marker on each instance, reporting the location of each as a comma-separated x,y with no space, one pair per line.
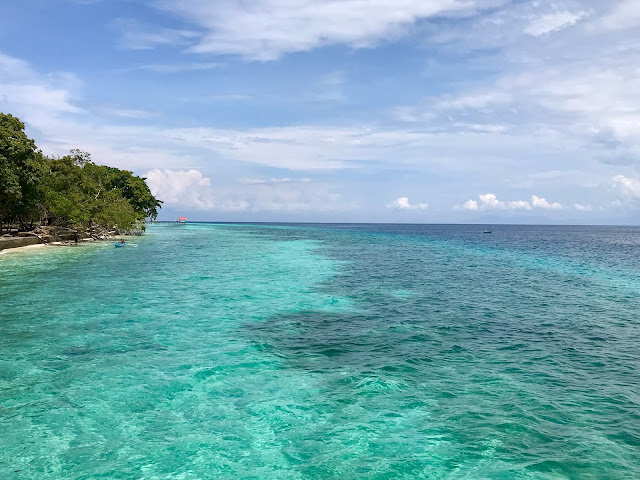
325,351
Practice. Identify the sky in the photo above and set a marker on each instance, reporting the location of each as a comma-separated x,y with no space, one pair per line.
420,111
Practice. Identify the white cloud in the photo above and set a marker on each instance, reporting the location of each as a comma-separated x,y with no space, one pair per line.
32,96
539,202
180,67
484,128
14,69
470,205
583,83
301,195
257,181
577,99
553,21
624,15
629,187
477,100
586,98
136,36
582,208
267,29
489,201
36,98
402,203
117,111
173,184
190,189
303,148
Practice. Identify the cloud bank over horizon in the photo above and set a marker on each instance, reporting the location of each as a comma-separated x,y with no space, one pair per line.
345,110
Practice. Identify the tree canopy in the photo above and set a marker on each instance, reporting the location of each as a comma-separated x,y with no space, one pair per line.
19,169
69,190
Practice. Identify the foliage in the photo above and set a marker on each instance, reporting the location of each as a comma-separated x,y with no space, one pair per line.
19,169
69,190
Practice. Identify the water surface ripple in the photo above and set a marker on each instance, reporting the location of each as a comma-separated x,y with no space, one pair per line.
324,351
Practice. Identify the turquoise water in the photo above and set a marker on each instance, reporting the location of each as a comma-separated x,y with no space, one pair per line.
326,351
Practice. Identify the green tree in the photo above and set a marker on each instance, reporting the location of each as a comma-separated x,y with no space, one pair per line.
19,171
65,193
79,192
115,212
135,190
68,191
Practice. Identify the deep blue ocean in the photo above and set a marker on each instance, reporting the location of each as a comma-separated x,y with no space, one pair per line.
324,352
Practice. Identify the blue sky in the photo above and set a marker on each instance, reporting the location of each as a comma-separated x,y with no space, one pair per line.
471,111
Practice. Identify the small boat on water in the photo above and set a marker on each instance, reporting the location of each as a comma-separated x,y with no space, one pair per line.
125,244
486,231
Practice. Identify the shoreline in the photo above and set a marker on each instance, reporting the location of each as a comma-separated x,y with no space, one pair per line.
40,246
23,248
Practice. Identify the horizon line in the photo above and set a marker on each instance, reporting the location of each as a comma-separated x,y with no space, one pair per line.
406,223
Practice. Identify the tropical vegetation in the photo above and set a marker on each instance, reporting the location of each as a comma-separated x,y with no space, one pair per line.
69,191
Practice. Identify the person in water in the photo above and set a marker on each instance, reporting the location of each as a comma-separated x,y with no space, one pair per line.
122,240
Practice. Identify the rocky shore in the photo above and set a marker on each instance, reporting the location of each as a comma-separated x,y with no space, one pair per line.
47,235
